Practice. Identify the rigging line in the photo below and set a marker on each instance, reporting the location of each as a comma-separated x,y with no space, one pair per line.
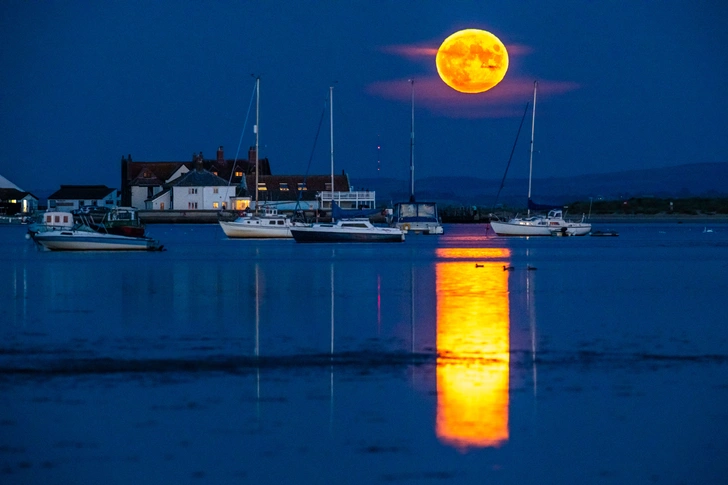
245,126
315,141
503,181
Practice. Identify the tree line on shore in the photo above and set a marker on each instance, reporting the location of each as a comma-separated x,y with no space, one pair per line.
633,206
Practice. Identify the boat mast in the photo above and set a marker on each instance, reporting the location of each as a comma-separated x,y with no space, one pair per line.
412,145
257,123
331,135
530,161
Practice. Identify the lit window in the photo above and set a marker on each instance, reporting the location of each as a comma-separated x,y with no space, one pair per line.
215,205
283,187
261,186
238,173
302,186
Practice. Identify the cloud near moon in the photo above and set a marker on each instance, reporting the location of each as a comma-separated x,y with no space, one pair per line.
505,100
433,95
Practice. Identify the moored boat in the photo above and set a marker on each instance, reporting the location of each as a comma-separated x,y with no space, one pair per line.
553,224
123,221
81,237
270,224
346,230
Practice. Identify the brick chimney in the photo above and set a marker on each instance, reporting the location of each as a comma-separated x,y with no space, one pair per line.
220,154
251,156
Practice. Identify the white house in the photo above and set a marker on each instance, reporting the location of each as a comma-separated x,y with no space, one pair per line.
198,189
71,197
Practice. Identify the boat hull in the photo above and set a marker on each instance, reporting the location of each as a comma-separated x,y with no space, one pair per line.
306,236
518,229
256,229
82,241
354,231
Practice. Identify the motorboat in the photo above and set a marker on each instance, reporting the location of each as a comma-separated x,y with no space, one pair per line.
81,237
417,217
346,230
269,224
123,221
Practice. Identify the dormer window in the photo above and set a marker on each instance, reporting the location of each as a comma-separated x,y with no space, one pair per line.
238,173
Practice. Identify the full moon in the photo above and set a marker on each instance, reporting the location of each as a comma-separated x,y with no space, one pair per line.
472,61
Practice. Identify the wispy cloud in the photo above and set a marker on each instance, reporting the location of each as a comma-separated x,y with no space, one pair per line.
504,100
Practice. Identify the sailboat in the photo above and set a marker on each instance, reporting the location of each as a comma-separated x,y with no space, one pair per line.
412,216
269,224
346,229
553,224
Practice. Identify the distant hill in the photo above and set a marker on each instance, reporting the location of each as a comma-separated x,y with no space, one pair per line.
693,180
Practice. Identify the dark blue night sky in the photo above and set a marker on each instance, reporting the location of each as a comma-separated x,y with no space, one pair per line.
622,85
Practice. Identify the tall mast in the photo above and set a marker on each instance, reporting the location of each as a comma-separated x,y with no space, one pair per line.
331,134
257,123
412,145
533,125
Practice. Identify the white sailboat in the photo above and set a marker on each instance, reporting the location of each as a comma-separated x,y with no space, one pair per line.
553,224
255,225
412,216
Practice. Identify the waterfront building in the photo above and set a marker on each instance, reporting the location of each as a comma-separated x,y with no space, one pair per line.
72,197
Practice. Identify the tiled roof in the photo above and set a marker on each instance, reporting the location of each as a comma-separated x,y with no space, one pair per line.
81,192
14,194
314,183
199,178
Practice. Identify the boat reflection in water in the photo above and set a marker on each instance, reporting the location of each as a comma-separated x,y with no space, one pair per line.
473,347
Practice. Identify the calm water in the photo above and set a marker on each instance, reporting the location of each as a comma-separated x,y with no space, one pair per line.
227,361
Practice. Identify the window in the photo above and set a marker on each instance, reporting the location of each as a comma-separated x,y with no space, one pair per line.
147,175
238,173
328,186
261,186
192,205
283,187
302,186
191,190
215,205
215,190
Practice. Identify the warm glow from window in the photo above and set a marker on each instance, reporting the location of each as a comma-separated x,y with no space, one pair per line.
238,174
261,186
283,187
215,205
473,346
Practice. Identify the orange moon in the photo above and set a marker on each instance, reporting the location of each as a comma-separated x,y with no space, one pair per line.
472,61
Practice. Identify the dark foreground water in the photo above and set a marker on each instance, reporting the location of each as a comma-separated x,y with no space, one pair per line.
227,361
